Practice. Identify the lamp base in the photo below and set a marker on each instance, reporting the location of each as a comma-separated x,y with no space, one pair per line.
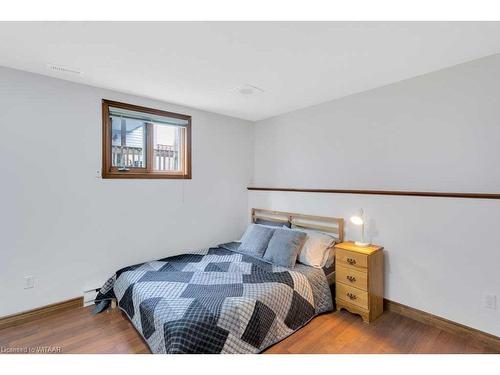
361,244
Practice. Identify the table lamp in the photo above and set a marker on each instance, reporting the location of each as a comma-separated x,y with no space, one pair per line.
360,221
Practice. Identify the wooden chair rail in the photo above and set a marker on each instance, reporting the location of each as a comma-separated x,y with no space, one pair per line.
382,192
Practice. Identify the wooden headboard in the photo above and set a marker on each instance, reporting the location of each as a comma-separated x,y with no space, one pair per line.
332,225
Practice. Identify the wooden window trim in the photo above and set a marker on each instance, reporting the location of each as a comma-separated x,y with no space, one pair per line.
108,171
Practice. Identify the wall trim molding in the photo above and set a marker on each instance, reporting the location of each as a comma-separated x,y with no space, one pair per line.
487,339
382,192
41,312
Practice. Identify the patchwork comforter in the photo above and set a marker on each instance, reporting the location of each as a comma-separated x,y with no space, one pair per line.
217,301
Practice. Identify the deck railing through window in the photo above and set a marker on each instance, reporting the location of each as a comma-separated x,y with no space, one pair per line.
165,157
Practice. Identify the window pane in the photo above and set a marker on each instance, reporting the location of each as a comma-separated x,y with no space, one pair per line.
167,146
146,142
128,142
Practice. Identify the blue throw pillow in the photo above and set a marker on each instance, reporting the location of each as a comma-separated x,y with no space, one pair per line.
271,223
284,247
255,240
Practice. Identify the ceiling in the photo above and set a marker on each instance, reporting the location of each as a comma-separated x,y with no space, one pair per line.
199,64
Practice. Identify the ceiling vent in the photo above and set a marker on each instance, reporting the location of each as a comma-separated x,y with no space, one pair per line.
247,90
63,69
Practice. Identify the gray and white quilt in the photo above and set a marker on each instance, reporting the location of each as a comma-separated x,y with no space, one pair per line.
217,301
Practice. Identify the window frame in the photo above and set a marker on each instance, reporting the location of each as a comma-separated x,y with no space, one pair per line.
108,171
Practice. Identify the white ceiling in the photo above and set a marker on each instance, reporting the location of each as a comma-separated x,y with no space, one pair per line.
199,64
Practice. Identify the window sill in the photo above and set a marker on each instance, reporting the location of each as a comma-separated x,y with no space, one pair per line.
151,175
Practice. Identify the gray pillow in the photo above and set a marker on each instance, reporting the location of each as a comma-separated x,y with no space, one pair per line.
255,240
284,247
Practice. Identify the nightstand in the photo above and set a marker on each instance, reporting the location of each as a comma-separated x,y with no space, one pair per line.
359,279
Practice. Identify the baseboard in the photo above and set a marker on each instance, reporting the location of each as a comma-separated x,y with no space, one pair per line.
444,324
41,312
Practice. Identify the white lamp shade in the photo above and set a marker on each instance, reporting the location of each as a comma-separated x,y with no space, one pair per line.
357,220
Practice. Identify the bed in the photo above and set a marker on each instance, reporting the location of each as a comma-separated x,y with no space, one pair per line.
219,300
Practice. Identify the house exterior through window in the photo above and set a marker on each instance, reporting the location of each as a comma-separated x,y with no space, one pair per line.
140,142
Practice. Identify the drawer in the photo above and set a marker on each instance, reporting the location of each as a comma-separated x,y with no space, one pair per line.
352,295
351,259
352,277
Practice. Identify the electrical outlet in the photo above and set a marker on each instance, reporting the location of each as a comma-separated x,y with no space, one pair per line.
490,301
98,174
29,282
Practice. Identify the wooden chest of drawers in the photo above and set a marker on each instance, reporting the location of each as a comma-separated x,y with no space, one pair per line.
359,279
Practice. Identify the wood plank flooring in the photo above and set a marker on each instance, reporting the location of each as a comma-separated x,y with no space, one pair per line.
78,331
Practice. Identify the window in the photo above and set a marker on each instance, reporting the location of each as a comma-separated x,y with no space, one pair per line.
141,142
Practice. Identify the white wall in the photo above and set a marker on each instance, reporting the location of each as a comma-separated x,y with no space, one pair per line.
437,132
71,230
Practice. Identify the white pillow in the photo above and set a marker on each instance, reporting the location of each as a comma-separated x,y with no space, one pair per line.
316,249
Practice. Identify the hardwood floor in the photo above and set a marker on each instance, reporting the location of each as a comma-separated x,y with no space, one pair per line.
78,331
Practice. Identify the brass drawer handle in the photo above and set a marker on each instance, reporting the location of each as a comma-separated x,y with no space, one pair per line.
351,261
351,296
351,278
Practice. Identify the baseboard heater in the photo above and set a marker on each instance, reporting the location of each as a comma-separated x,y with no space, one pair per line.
89,296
